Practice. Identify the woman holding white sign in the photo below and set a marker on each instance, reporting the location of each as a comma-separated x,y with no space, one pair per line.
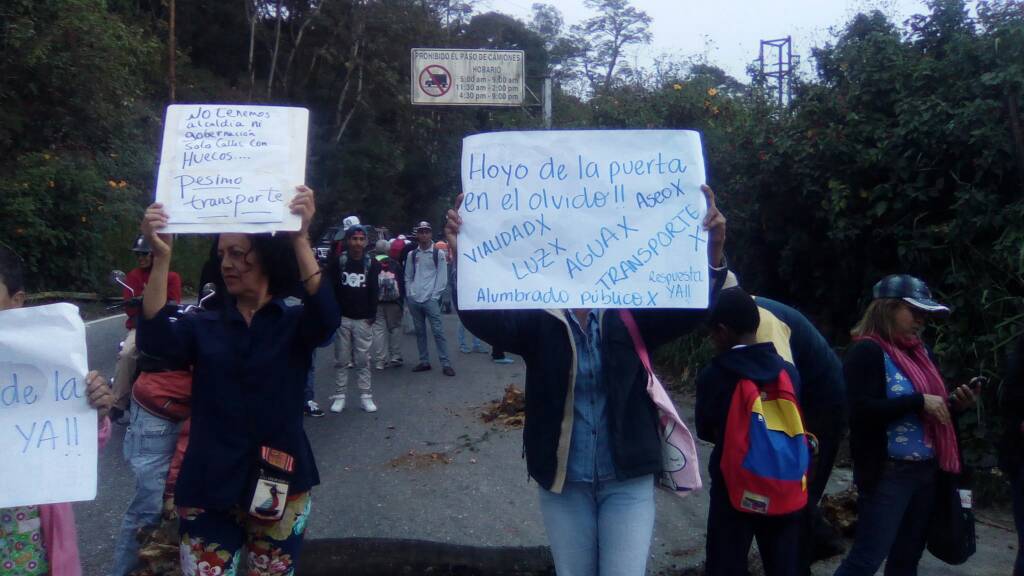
248,471
41,539
592,436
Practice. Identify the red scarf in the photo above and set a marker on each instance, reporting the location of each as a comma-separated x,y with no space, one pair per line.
913,360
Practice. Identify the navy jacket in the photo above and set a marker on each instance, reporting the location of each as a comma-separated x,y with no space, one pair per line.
717,382
247,391
821,372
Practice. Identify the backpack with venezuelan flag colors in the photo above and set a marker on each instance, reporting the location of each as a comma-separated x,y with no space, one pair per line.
766,455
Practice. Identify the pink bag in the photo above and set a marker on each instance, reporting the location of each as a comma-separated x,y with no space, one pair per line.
680,470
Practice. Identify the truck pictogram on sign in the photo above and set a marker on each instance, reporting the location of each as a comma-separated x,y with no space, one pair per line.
435,80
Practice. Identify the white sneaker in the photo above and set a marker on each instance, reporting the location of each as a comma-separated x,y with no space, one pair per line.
339,404
366,401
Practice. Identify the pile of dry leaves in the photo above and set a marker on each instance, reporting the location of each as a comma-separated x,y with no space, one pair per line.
510,410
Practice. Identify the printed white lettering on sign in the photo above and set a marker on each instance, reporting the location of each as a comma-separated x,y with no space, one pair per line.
48,435
583,219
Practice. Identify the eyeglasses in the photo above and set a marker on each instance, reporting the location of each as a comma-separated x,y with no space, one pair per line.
235,255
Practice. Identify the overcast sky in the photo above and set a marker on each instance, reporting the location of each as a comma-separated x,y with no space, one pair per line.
728,32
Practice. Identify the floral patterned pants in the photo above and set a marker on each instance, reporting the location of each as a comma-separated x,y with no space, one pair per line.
21,542
212,541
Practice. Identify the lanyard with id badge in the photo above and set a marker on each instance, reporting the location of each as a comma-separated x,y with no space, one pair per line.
270,486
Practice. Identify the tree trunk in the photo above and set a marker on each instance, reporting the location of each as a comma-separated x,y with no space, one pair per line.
356,68
252,12
295,47
273,57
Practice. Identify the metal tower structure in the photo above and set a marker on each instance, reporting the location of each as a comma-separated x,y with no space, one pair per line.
779,67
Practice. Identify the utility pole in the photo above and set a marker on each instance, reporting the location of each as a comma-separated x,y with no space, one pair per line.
782,68
171,48
547,102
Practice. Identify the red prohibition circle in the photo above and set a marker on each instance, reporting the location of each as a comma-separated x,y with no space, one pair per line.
435,80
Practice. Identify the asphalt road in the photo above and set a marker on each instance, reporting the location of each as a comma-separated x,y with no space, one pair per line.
426,467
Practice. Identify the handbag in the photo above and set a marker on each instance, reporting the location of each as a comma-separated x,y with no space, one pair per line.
680,471
951,532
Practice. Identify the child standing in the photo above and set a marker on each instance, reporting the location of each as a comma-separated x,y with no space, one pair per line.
747,406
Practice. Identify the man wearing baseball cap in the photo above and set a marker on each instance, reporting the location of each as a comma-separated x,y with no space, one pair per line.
136,280
355,278
426,276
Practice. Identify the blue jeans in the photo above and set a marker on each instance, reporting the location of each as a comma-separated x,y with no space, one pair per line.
1017,487
463,345
148,448
421,313
892,521
601,528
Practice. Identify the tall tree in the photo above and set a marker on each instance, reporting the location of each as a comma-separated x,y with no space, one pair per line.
603,39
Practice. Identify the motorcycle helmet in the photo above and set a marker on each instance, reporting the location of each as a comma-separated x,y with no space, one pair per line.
141,245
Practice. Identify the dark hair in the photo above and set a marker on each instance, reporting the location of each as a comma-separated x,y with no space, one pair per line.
10,270
355,229
277,256
736,310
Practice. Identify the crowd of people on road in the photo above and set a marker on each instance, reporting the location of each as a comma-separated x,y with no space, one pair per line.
216,433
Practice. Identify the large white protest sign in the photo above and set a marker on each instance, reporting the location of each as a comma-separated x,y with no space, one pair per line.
583,219
227,168
47,430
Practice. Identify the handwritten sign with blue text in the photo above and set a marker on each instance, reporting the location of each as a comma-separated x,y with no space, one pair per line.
583,219
48,433
226,168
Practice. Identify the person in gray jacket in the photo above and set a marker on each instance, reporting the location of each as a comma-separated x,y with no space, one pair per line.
426,277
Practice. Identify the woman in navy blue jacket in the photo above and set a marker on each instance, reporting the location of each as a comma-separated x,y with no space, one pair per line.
591,435
246,476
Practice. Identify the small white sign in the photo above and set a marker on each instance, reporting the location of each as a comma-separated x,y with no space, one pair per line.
441,76
583,219
48,437
228,168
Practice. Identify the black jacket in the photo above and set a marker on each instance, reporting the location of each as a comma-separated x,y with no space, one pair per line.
871,410
717,382
1011,446
544,339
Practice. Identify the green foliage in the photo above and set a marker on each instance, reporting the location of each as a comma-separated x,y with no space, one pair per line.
904,154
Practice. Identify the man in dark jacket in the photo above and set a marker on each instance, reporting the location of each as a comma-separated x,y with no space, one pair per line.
733,326
591,436
354,276
1011,449
823,400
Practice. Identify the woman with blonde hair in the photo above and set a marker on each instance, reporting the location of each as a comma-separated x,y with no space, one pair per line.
901,431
